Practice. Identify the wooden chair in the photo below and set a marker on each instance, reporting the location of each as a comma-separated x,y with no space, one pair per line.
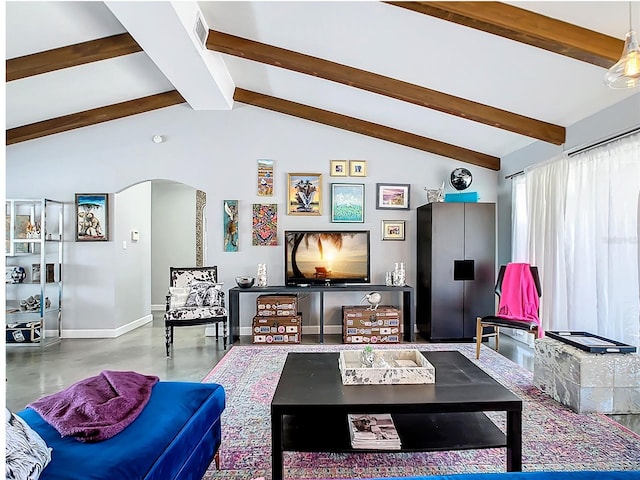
495,321
195,298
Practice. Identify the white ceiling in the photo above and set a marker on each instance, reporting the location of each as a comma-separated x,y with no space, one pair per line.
371,36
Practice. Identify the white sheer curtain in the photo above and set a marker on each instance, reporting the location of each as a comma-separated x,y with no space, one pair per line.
582,233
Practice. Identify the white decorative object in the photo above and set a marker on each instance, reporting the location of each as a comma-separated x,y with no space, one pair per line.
374,299
435,194
262,275
389,367
399,275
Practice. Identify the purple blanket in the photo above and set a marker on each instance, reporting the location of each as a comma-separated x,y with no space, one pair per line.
99,407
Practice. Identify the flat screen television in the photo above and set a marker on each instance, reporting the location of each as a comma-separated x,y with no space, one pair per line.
326,256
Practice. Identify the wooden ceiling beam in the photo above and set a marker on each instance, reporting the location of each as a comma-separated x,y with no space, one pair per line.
366,128
93,116
526,27
71,56
390,87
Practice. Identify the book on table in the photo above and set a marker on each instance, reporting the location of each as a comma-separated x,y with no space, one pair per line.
373,431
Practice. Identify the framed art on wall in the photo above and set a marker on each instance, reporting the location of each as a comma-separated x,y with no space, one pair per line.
304,195
392,196
347,202
393,229
230,220
265,224
92,217
265,178
357,168
338,168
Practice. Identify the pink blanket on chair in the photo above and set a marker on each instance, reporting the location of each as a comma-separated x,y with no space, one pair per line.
519,298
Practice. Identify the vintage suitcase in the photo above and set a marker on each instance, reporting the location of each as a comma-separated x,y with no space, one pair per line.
277,305
276,329
364,325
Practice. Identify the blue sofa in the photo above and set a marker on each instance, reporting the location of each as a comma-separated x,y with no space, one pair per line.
175,437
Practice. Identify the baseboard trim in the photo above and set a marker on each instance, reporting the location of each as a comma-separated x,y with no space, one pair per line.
158,307
107,332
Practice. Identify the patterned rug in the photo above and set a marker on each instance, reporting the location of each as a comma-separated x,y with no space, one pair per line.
554,437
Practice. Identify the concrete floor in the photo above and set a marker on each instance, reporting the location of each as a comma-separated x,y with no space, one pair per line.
33,372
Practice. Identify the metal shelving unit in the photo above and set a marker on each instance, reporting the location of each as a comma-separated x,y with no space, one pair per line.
33,243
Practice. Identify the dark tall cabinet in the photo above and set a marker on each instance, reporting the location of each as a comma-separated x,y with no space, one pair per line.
456,268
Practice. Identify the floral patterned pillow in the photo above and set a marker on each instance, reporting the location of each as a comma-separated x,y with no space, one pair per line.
205,294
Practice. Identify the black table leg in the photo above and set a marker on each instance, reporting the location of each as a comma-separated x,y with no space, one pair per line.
276,447
234,315
514,441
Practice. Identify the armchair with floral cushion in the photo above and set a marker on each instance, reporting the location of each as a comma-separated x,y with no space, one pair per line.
195,298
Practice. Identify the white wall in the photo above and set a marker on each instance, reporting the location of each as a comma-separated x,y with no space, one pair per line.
217,152
132,211
173,234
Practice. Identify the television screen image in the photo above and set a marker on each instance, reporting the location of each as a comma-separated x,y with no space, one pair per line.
326,257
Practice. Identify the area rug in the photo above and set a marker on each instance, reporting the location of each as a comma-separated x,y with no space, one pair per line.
554,437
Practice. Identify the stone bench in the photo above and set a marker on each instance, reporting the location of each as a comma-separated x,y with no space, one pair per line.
587,382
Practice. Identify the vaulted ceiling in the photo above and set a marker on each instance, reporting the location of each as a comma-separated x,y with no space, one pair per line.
473,81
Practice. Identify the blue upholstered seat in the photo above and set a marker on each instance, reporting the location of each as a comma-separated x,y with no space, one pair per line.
174,438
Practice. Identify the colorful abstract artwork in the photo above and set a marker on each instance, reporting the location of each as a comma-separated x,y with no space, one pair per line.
265,224
265,178
230,216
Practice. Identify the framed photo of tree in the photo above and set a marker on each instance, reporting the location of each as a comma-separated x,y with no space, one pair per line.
304,194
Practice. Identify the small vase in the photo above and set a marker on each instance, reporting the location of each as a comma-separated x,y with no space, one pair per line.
262,275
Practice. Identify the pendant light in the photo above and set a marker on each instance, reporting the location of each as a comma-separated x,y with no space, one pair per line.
626,73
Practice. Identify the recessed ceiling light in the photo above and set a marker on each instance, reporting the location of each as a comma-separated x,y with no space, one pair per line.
158,139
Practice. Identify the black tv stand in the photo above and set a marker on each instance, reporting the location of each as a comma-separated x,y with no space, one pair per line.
407,306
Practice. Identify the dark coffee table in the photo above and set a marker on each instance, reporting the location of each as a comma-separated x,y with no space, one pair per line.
310,406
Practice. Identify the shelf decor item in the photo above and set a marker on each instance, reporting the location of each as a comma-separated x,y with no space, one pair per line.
92,217
392,196
304,194
347,202
386,367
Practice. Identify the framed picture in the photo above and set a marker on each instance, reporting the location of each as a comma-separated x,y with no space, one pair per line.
35,273
230,225
392,196
22,227
265,178
304,194
265,224
347,202
338,168
92,217
393,230
357,168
